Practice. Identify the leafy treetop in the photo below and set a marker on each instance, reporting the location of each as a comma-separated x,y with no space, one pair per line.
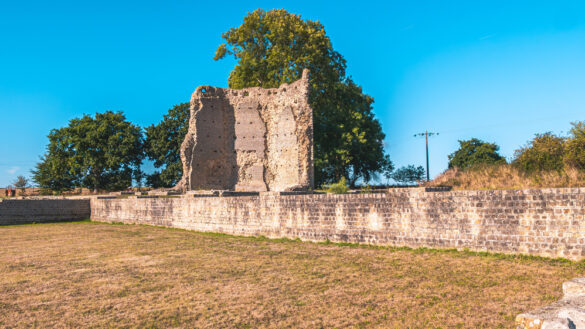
273,48
409,174
543,153
163,145
104,152
475,152
575,146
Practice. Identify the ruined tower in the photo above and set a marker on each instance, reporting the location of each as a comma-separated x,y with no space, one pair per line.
251,139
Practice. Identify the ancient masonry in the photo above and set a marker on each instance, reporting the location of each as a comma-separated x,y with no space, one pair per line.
545,222
13,212
251,139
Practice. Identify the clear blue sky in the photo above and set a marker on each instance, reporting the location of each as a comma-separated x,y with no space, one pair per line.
497,70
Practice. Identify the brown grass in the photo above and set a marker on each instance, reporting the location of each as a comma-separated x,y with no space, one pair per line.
503,177
99,275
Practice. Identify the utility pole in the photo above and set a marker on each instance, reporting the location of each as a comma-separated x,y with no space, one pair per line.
427,135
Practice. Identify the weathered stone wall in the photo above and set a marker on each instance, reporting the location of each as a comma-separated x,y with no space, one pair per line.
14,212
251,139
547,222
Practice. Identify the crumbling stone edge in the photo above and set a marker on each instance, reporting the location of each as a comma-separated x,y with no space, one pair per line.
567,313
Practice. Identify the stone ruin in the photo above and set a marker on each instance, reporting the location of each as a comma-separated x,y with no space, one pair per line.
250,139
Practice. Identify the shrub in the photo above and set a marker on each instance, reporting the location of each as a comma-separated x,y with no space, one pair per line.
543,153
338,188
575,147
475,152
366,189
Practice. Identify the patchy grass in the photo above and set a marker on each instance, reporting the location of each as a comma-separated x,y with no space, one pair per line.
98,275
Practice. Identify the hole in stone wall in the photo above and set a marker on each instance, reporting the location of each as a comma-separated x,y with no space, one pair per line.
203,90
246,93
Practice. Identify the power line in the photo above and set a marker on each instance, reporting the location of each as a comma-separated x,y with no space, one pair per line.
490,127
427,135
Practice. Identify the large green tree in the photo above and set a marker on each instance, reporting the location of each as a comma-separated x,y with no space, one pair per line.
543,153
101,153
475,152
274,47
163,145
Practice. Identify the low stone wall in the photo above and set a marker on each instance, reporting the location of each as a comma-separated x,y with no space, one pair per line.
543,222
14,212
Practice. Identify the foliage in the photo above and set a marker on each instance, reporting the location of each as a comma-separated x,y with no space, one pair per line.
21,182
544,153
475,152
366,189
53,171
273,48
575,146
409,174
338,188
163,145
104,152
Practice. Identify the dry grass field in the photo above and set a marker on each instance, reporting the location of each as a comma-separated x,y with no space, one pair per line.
505,177
99,275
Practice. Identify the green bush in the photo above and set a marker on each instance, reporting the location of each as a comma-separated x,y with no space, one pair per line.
337,188
544,153
475,152
575,146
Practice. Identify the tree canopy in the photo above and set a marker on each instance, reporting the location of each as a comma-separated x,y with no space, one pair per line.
101,153
475,152
543,153
409,174
274,47
163,145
